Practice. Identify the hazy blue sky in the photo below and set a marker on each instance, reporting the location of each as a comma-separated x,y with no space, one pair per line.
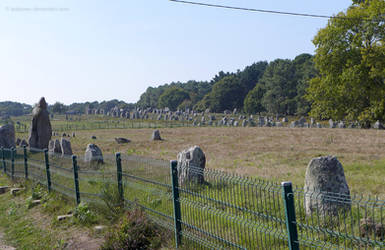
100,50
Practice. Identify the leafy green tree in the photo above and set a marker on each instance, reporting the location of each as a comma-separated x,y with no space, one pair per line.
251,75
350,58
14,108
280,85
172,98
59,108
226,94
304,71
253,100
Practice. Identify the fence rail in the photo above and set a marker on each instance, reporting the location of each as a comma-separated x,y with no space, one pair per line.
225,211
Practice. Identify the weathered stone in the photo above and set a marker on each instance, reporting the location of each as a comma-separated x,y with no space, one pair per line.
191,164
244,123
54,146
285,120
66,148
302,121
15,191
279,124
99,229
377,125
4,189
7,136
294,124
341,124
63,217
41,131
312,122
332,124
156,136
318,125
121,140
93,154
326,175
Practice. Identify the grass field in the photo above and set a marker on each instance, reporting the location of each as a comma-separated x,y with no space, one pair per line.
278,154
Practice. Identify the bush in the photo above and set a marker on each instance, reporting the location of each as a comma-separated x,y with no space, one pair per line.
110,196
135,231
83,214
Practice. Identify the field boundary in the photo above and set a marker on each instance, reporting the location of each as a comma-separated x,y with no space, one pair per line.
224,211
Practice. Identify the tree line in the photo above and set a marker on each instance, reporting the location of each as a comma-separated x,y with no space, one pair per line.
275,87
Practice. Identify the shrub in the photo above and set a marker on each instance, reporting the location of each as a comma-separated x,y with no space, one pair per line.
110,196
83,214
135,231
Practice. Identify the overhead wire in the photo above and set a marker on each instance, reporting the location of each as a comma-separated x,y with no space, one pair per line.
262,10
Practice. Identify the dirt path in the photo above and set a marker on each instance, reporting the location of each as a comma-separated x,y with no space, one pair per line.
2,244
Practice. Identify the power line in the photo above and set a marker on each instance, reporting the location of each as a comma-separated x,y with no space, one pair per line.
259,10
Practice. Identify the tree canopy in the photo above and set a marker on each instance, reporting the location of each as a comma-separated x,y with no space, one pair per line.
173,97
350,58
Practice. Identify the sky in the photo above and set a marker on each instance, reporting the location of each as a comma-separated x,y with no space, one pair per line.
94,50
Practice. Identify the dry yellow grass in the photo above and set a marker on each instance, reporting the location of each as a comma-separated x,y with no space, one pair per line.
271,153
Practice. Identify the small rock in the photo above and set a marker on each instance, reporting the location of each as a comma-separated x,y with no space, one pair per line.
99,229
4,189
14,191
63,217
121,140
156,136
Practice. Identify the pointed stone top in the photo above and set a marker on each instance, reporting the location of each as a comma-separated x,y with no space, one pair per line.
42,103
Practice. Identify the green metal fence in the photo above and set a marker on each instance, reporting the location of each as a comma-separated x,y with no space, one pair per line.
210,209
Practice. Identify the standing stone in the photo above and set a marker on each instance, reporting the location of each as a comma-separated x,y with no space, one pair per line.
244,123
312,122
54,146
191,164
378,125
7,136
41,131
294,124
93,154
332,124
156,136
341,124
65,147
325,175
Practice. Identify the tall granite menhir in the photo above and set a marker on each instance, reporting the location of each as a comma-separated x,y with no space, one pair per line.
41,131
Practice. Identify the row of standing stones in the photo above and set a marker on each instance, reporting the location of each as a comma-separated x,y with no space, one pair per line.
229,118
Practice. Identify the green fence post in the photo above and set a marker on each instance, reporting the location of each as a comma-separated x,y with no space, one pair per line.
119,175
13,150
47,170
76,179
291,224
25,162
3,158
175,195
